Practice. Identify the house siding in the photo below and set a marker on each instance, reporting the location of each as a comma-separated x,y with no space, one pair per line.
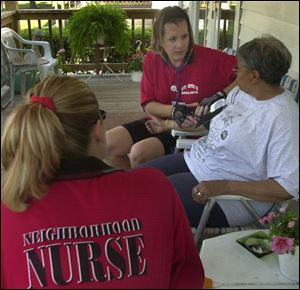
279,19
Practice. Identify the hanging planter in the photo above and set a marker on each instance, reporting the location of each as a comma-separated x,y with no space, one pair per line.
135,65
94,23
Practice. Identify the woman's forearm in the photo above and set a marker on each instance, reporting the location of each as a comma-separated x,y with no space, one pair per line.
265,190
158,109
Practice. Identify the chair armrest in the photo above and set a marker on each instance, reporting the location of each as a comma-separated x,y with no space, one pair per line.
20,49
231,197
176,132
184,143
244,200
30,53
45,45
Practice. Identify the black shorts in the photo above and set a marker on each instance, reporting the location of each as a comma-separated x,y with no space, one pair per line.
138,132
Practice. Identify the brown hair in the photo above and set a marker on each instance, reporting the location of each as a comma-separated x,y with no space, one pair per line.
174,15
35,138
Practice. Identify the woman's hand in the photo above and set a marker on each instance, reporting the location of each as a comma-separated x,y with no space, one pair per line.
189,123
206,189
200,109
156,125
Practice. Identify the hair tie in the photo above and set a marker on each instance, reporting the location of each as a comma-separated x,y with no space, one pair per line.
45,101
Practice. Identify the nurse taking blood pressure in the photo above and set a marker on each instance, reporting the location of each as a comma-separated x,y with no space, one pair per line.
177,76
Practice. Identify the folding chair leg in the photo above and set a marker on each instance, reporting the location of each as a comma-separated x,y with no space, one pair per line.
4,92
12,87
110,69
198,237
252,212
23,85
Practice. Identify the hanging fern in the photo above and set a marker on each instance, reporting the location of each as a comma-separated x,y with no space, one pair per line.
93,21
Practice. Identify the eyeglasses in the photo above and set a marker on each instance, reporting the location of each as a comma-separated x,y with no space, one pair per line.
102,114
236,70
240,69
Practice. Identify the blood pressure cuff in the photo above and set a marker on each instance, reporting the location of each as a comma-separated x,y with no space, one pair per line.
180,112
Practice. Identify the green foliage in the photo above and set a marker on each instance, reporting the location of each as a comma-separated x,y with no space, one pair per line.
147,36
136,62
285,225
39,5
201,36
225,40
89,23
89,57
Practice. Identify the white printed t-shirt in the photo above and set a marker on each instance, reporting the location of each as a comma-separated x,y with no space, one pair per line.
250,140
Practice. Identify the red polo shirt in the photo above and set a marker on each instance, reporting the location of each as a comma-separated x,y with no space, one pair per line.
96,230
206,72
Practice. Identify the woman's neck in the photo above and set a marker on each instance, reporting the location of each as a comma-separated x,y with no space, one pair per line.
266,92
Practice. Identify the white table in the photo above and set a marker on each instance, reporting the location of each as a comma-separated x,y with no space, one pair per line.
230,265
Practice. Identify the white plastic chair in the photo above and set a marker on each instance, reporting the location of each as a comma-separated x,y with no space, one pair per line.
5,89
24,60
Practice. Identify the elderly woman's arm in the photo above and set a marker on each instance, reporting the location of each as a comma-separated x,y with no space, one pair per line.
264,190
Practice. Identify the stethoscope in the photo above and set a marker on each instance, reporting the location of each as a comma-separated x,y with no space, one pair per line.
177,87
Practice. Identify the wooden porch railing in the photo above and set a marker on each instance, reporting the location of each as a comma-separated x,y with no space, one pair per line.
11,19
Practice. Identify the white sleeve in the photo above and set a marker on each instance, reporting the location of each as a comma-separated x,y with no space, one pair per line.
230,99
283,153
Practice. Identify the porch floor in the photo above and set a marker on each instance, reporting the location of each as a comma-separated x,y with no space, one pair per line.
119,99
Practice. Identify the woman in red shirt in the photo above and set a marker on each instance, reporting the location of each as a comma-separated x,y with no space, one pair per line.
176,71
69,222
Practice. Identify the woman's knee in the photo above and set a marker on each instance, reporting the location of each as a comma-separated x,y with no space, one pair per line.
144,151
118,141
137,155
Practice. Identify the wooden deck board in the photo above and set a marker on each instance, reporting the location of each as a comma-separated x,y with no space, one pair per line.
119,99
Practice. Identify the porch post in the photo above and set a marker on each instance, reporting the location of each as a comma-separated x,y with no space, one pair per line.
11,5
194,12
237,25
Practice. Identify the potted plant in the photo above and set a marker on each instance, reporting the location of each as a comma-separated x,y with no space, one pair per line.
60,56
135,64
284,237
93,22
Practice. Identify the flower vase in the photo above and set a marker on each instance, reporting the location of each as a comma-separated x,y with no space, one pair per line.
136,76
289,265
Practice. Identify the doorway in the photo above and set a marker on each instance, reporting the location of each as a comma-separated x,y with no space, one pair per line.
217,23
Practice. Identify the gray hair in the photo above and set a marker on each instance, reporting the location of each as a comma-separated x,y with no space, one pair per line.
268,55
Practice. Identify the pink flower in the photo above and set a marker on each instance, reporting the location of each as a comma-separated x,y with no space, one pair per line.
266,219
270,216
282,210
291,224
61,57
262,220
281,245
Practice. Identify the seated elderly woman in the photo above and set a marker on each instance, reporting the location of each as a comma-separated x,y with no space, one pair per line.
252,148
